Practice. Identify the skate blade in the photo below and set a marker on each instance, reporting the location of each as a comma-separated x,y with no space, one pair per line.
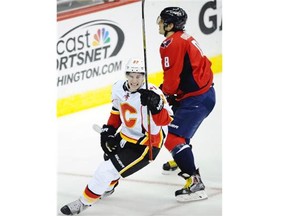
199,195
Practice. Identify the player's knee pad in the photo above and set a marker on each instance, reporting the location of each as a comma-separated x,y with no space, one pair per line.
179,148
172,141
184,158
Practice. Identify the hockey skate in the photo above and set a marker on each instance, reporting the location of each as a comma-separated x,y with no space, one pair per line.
193,190
169,167
74,208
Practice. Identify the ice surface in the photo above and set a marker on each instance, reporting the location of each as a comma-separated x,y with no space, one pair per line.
147,192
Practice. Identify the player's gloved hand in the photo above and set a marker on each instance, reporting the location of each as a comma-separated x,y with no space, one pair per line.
152,100
108,142
171,99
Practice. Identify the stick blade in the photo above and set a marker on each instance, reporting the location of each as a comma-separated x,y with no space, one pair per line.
97,128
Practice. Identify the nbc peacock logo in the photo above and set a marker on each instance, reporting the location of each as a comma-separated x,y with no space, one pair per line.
89,42
101,37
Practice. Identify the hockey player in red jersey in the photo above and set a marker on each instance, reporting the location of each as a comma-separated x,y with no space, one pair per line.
188,86
124,138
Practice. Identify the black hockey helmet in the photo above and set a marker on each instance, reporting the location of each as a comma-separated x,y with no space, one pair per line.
175,15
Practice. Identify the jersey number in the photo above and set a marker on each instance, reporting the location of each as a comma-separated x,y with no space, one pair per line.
166,62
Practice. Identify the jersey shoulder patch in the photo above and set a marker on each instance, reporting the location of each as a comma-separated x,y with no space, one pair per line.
166,43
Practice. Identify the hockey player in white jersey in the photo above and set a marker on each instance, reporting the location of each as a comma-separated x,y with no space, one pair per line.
125,138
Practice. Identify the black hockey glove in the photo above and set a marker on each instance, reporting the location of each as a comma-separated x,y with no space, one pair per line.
171,99
152,100
108,141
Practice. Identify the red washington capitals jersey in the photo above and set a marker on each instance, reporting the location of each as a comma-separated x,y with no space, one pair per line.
187,71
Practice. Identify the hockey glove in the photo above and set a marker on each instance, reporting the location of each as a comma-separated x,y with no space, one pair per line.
171,99
152,100
108,141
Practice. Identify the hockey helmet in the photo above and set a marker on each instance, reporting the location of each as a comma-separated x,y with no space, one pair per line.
135,65
175,15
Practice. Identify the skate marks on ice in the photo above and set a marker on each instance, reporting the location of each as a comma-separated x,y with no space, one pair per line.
138,197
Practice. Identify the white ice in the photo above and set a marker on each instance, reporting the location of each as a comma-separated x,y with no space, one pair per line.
147,192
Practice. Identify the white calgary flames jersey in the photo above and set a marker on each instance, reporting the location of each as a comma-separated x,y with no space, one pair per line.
134,116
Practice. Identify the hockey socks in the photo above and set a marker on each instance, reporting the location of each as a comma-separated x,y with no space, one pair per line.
184,158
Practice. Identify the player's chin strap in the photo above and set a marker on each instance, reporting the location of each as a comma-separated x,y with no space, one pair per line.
165,32
126,87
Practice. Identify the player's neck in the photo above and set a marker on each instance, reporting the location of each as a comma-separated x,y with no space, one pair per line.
169,34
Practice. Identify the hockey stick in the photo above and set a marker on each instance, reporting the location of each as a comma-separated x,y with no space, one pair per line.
97,128
146,82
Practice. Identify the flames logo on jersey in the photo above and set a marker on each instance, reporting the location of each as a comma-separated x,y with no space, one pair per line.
166,43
